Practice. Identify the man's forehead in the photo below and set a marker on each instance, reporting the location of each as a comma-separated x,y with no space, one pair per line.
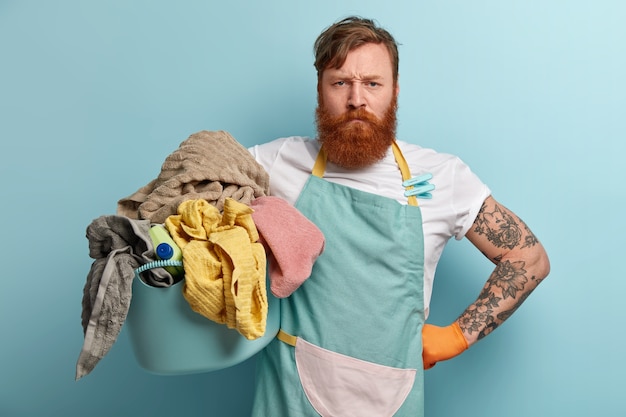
365,62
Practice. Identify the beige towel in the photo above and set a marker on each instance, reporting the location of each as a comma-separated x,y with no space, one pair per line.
210,165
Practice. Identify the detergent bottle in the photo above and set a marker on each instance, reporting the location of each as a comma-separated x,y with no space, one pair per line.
166,249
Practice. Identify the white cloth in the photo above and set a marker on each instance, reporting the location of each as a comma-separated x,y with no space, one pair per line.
457,197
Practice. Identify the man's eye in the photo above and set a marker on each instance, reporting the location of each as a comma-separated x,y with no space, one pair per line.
340,83
373,84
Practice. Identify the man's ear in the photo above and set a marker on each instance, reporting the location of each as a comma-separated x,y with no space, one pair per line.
397,87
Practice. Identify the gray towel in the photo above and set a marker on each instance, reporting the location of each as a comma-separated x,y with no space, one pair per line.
119,245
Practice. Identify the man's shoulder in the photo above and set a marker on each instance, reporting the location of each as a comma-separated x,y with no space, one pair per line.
294,150
288,144
290,141
416,153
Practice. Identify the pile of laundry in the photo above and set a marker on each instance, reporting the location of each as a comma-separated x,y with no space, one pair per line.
213,199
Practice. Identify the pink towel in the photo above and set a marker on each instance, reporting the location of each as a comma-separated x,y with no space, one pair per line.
292,241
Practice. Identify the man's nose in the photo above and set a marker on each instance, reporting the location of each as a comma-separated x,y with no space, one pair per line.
356,99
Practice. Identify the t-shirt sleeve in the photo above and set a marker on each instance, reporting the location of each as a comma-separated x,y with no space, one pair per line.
266,153
469,194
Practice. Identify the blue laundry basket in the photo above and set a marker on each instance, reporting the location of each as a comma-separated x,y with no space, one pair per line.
169,338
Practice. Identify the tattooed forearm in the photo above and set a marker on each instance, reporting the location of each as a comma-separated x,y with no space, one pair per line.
507,287
505,291
534,281
507,313
479,317
510,277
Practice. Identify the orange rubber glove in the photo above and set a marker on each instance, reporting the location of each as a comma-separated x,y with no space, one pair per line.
441,343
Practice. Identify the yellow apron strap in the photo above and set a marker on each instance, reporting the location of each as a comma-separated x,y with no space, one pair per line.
404,169
286,337
320,167
320,164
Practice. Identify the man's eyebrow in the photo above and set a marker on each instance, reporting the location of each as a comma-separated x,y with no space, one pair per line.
341,74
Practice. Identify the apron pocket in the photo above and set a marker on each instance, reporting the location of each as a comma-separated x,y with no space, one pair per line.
340,385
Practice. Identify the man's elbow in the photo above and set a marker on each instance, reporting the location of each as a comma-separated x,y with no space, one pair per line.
542,263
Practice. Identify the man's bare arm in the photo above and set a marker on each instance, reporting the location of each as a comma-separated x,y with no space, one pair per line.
521,264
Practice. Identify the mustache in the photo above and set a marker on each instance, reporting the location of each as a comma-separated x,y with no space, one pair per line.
356,114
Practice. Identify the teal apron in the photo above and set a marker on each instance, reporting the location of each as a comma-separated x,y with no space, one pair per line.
350,340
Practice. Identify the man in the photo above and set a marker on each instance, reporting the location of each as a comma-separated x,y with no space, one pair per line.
353,340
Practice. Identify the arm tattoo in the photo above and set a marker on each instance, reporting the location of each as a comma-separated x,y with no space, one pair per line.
502,229
506,281
509,280
530,239
510,277
480,314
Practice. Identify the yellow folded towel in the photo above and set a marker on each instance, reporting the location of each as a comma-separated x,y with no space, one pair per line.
224,263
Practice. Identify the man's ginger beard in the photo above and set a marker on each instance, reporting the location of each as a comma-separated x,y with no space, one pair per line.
356,145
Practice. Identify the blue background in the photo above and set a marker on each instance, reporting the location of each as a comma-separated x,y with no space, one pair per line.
531,94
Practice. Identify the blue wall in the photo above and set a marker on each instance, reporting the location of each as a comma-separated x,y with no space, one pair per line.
532,94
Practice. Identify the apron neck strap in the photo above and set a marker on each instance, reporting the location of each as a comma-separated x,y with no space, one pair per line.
320,166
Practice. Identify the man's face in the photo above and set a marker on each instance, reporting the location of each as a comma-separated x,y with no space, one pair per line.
357,107
365,81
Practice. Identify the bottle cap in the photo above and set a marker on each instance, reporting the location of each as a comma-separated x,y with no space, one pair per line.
164,251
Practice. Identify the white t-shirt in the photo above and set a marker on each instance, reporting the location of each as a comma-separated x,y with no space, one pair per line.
456,199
